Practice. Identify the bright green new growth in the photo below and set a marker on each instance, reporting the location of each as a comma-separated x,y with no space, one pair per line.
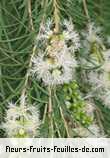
76,104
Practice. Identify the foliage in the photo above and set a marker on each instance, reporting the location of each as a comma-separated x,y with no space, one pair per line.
20,23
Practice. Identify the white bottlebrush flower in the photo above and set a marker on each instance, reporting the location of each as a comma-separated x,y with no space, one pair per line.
106,80
67,33
101,77
71,36
90,108
93,44
46,31
100,86
93,131
93,40
106,65
56,45
93,34
96,78
99,80
105,76
22,121
105,98
54,70
56,65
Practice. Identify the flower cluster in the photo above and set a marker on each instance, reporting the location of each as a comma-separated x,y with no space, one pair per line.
98,60
100,80
21,121
93,44
67,33
55,63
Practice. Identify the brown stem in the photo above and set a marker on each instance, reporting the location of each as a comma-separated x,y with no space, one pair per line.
65,123
56,16
44,115
30,15
50,111
86,10
23,93
27,74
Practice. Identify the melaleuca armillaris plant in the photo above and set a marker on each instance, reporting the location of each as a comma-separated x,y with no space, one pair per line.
54,69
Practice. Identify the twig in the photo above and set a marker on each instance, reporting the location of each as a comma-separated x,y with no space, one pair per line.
99,117
65,123
27,75
86,10
44,4
50,111
45,112
30,15
56,16
59,134
61,112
